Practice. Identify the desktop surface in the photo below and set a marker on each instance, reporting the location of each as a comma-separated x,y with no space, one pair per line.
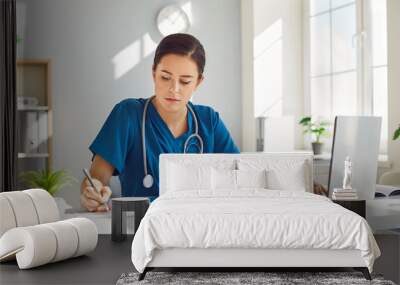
104,265
384,213
110,259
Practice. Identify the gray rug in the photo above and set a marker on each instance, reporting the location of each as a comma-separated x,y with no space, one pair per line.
228,278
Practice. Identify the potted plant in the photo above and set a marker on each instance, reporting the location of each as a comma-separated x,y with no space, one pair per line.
47,180
318,129
51,181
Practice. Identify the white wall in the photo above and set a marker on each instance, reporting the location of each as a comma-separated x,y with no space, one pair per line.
83,37
248,123
277,24
393,26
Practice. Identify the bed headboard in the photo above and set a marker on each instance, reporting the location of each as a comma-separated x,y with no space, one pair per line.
226,159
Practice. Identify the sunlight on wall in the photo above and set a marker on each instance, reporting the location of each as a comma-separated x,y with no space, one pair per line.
148,45
126,59
188,9
130,56
268,71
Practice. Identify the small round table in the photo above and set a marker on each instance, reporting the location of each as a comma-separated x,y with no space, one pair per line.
120,207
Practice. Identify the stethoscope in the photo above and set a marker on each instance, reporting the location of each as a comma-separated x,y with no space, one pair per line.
148,178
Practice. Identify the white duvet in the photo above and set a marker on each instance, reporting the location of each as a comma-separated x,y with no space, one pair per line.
251,218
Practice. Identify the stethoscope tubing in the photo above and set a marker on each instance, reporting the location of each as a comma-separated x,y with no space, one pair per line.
148,178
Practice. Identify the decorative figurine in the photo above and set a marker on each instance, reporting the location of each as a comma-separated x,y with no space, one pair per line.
347,174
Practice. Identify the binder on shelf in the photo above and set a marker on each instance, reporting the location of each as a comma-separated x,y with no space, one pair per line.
30,131
33,132
42,132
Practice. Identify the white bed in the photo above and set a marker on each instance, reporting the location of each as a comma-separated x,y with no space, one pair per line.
218,225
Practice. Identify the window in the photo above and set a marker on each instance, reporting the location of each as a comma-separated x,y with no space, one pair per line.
347,67
379,66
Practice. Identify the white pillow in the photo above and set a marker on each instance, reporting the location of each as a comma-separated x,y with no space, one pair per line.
183,177
293,178
251,178
236,179
282,174
223,179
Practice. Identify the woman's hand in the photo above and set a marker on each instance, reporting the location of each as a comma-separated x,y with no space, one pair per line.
91,199
319,189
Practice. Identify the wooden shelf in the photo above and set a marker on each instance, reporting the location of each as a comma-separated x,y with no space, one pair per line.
35,122
32,155
34,108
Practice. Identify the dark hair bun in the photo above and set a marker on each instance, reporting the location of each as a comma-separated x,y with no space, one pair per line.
181,44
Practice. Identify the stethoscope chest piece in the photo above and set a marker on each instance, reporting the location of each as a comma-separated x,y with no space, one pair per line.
148,181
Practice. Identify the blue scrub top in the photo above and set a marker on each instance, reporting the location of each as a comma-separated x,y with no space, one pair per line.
119,142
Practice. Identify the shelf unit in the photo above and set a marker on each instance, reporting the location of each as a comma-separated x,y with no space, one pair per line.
34,108
32,155
35,130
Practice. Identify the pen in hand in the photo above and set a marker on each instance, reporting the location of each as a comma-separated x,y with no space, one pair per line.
87,174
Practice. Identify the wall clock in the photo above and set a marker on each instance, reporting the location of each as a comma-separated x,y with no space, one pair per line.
172,19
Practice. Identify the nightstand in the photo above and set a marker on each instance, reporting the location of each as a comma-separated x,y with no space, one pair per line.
357,206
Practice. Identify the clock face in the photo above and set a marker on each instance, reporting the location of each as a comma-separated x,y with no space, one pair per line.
172,19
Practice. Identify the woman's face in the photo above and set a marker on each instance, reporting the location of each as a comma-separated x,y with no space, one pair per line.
175,77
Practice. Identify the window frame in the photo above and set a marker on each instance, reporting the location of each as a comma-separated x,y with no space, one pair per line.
364,62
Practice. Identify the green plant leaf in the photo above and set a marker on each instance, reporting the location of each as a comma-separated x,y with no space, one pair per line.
47,180
305,121
318,129
396,134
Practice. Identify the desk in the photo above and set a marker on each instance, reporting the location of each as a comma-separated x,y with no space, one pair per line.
110,259
389,262
384,213
102,266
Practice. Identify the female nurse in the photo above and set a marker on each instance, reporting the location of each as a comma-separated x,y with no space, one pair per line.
170,119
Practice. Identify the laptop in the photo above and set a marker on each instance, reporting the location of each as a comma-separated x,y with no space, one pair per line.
357,137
